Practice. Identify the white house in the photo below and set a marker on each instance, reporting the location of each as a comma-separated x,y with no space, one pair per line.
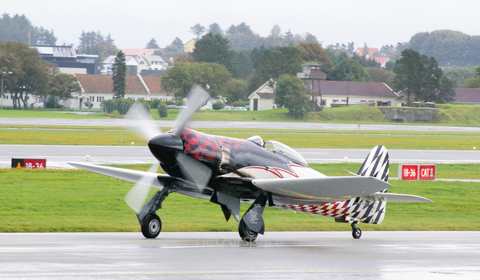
263,98
327,92
96,88
139,62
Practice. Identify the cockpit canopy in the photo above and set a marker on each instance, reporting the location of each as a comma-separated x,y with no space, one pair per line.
257,140
285,150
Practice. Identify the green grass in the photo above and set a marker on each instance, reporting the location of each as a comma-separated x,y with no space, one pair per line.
79,201
449,114
306,139
47,113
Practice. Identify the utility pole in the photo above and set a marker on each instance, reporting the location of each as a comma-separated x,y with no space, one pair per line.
1,95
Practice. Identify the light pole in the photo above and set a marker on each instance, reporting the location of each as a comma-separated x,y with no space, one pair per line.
1,95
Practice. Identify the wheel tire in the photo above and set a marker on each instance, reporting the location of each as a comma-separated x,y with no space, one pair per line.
151,226
246,234
356,233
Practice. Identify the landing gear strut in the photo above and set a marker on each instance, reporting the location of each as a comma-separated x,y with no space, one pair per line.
149,221
356,232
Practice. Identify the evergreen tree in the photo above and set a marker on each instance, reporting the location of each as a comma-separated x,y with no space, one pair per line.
119,69
215,28
197,30
213,48
152,44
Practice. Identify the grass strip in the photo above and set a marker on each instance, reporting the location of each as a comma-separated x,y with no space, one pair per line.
79,201
295,140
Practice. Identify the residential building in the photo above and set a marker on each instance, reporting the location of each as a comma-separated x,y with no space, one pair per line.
189,46
263,98
135,52
467,95
371,52
325,93
151,65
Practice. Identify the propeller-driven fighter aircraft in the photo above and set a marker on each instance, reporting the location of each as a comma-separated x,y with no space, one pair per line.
228,171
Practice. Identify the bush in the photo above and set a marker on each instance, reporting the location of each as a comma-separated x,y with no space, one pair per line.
154,103
52,103
218,105
123,105
87,104
162,110
108,106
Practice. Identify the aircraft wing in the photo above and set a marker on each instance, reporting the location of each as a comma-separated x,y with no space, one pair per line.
395,197
120,173
321,190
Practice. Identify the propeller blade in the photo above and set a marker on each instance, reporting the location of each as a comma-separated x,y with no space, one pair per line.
196,98
141,122
194,171
137,195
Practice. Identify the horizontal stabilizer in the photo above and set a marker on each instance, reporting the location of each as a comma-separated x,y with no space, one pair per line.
133,176
395,197
322,190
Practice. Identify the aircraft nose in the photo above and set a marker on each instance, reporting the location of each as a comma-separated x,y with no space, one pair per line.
165,146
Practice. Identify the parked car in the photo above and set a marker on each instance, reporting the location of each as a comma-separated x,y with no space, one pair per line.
241,108
172,107
227,108
182,107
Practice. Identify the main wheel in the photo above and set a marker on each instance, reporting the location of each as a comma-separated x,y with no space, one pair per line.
246,234
151,226
356,232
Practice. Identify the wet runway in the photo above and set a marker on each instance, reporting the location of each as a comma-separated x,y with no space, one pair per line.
276,255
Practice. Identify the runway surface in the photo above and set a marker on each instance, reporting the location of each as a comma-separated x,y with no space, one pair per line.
276,255
253,125
58,155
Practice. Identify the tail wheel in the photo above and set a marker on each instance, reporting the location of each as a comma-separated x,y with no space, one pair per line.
356,232
246,234
151,226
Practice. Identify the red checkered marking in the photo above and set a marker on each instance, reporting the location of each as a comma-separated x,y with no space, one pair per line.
232,144
334,209
200,145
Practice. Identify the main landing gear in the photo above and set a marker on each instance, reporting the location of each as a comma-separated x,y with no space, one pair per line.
252,223
150,222
356,232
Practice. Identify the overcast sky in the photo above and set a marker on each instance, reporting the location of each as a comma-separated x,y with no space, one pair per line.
133,23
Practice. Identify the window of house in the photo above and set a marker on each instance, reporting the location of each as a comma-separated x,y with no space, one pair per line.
324,102
91,98
100,98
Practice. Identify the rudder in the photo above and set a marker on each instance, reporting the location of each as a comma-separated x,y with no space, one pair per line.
376,164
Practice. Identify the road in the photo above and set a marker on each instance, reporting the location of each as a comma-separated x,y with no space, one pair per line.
253,125
221,255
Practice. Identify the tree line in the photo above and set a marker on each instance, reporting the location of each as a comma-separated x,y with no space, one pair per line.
19,28
33,76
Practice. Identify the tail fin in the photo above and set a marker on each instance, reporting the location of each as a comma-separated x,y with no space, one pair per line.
376,164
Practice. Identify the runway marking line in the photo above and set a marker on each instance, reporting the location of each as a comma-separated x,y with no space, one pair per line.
403,270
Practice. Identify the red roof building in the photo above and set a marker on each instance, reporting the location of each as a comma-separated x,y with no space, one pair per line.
96,88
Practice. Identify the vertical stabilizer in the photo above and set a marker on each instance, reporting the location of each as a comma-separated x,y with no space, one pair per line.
376,164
